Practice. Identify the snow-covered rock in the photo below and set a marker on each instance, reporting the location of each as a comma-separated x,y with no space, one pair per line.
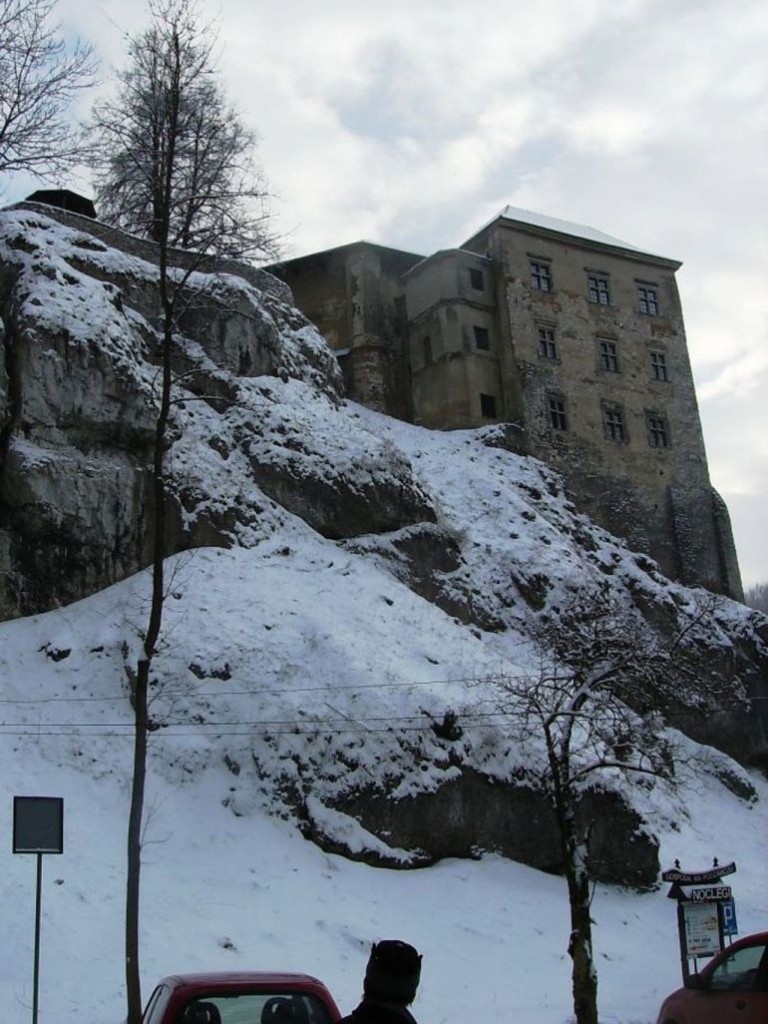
376,578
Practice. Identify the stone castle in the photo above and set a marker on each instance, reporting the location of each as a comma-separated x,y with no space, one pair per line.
573,338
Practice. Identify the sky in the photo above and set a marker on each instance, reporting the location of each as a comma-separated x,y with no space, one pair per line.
412,123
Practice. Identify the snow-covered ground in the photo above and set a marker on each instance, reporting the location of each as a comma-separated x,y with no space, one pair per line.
228,886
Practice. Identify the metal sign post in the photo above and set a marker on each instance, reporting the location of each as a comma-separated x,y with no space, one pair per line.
38,827
701,911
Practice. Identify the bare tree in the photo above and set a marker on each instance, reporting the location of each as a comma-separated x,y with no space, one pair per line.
177,169
173,160
39,79
597,701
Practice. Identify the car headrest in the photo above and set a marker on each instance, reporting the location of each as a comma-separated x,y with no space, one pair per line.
284,1010
201,1013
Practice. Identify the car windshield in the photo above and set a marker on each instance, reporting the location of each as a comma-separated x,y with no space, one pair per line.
255,1008
739,970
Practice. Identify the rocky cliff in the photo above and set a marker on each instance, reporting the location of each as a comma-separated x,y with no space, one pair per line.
267,457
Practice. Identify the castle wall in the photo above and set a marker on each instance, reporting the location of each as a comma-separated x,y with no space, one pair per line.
354,295
453,341
727,549
587,357
319,287
451,275
116,238
644,475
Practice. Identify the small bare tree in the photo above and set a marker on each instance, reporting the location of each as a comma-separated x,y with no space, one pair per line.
173,159
40,75
597,703
174,165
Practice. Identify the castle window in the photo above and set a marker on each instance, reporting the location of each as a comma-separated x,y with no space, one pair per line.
609,356
476,279
482,338
547,347
426,346
598,289
658,432
541,275
646,300
613,422
659,366
556,412
488,407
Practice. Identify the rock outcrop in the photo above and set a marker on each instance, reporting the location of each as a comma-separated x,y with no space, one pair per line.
78,402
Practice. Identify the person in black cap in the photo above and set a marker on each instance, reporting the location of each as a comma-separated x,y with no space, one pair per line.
390,984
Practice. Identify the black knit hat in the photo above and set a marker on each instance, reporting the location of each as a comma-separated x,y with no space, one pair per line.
393,971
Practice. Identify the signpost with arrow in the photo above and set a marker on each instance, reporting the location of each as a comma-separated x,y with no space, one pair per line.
706,911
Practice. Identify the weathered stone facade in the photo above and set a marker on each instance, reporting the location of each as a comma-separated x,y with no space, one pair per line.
575,337
354,294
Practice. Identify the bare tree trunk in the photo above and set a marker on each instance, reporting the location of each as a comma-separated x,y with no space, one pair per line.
133,875
141,684
584,976
154,625
583,973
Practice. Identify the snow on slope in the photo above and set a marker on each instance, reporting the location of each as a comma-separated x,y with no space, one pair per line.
304,629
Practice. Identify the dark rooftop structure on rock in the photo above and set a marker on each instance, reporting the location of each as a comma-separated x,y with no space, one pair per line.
64,199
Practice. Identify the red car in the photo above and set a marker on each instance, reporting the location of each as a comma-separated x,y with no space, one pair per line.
246,997
731,989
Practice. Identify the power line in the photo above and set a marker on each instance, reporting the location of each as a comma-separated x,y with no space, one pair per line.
163,692
467,720
355,730
392,719
280,691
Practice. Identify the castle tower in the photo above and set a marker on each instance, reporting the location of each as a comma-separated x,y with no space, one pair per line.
593,364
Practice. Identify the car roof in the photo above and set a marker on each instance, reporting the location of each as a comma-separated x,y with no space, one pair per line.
224,979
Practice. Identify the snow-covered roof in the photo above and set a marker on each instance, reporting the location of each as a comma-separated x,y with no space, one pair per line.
565,227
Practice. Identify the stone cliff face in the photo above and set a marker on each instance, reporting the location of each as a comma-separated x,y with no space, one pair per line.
261,438
78,399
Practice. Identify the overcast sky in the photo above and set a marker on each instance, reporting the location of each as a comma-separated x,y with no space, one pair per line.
412,122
